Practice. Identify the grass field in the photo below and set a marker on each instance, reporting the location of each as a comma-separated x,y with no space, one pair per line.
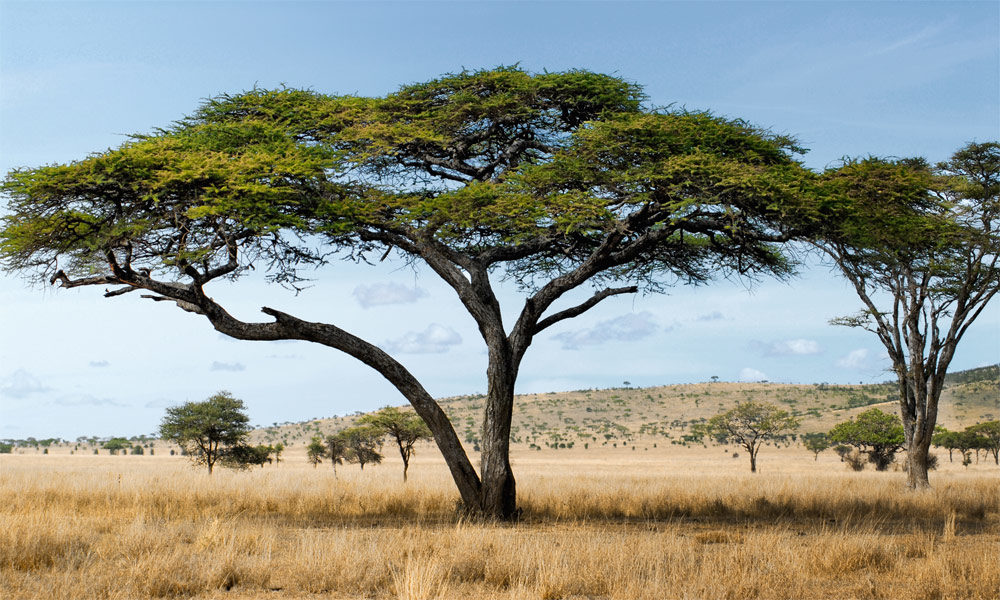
668,522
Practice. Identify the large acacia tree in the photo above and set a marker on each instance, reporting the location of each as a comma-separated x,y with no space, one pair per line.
920,244
553,180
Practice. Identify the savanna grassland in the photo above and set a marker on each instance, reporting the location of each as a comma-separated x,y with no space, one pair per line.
608,522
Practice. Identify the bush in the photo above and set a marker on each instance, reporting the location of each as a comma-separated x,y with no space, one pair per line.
855,460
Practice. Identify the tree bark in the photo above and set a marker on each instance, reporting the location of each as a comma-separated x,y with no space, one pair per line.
499,491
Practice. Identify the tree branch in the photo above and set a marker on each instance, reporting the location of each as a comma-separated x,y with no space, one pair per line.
579,309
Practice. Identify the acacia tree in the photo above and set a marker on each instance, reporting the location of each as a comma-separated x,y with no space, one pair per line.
208,430
316,451
752,424
874,432
816,443
990,434
553,180
364,445
406,429
336,450
920,246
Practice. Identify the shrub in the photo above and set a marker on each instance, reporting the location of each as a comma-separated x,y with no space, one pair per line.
855,460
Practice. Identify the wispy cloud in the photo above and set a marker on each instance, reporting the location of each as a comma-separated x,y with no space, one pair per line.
855,359
221,366
433,340
796,347
748,374
380,294
86,400
712,316
99,364
626,328
21,384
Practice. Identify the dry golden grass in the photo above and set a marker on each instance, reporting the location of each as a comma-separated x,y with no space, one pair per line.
627,524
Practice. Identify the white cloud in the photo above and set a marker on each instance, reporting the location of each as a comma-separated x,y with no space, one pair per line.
796,347
380,294
626,328
221,366
433,340
855,359
97,364
21,384
752,375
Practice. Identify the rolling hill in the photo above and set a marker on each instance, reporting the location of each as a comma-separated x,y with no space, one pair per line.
665,414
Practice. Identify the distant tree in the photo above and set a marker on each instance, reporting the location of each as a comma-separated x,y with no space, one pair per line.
919,244
405,428
364,444
970,439
138,450
315,451
277,450
990,434
943,438
816,442
6,448
337,450
750,425
114,445
243,456
873,432
207,430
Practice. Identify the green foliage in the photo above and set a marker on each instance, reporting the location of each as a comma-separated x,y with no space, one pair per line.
989,437
6,448
816,442
404,427
209,429
752,424
243,456
315,451
546,161
364,444
874,432
114,445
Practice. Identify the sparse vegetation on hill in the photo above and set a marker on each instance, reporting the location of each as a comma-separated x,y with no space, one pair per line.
626,417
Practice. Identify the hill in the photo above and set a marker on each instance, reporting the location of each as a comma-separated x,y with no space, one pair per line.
665,414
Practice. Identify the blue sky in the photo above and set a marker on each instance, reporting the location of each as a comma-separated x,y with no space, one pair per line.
845,78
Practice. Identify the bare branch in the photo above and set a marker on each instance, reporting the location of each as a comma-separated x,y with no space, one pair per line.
583,307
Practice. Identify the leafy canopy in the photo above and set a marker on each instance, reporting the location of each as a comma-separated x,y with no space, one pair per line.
531,170
209,429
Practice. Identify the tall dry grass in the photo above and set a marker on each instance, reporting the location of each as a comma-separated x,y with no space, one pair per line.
111,527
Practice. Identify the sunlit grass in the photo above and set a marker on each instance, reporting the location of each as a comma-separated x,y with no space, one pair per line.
87,527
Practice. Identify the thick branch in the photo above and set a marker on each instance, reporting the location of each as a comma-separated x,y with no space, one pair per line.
579,309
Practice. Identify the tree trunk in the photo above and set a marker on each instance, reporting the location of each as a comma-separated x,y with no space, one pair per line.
498,499
753,461
916,466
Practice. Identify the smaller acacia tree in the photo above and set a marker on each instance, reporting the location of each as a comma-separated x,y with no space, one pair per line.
816,442
405,428
989,433
944,438
116,445
337,450
315,451
873,432
364,445
750,425
207,430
